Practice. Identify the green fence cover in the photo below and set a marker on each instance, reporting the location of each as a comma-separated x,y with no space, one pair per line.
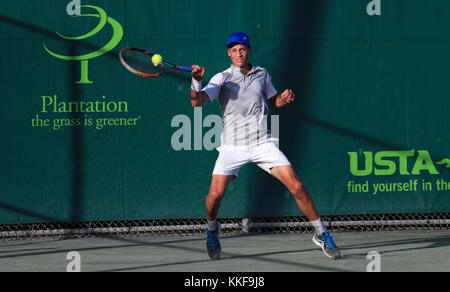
84,139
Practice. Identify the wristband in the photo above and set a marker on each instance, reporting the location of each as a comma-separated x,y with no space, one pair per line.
196,85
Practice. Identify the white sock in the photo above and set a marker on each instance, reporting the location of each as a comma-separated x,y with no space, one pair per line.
318,226
212,225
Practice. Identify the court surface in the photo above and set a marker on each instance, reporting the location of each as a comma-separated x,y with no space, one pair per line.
399,251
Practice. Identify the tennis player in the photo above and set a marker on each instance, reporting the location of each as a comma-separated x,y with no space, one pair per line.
243,91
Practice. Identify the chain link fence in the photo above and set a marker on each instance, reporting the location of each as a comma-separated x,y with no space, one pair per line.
186,227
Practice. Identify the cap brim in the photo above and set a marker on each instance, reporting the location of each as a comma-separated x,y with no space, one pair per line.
232,44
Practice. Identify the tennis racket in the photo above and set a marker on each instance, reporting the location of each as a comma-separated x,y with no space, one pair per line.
138,62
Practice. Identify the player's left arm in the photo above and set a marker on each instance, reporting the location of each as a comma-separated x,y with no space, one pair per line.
281,100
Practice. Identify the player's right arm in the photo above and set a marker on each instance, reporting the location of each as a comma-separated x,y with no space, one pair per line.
198,97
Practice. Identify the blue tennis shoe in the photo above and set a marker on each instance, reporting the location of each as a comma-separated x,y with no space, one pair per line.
325,241
213,243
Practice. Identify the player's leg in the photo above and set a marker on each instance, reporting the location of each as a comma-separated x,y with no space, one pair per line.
219,184
269,157
289,178
322,238
226,169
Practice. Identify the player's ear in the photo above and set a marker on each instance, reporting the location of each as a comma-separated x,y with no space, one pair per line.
228,51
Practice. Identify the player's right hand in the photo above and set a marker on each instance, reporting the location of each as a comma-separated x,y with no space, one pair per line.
198,73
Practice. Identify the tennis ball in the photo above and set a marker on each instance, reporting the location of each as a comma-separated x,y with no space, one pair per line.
157,59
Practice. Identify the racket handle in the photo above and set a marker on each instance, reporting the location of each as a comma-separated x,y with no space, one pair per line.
185,69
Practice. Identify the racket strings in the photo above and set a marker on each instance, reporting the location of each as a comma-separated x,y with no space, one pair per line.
141,62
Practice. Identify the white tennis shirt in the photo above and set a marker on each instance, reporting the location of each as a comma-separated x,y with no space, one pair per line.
242,99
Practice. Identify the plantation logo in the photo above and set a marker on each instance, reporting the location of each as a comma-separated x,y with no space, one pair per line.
103,20
389,162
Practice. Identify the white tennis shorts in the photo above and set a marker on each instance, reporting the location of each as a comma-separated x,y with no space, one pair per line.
231,158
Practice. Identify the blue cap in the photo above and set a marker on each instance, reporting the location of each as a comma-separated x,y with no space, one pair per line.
239,37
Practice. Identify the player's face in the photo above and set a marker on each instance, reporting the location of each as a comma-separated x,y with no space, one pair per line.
239,55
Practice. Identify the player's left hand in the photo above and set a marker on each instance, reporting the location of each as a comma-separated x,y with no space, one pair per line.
288,96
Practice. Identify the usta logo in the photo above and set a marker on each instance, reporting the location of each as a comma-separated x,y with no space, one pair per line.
387,163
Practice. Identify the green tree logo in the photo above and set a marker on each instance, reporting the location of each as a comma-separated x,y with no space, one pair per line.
84,59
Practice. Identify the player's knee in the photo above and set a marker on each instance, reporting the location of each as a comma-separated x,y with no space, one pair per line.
215,196
298,190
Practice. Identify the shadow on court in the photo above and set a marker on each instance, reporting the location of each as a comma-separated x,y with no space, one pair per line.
401,245
192,246
399,250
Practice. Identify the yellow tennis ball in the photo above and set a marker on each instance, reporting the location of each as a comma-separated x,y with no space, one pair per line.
157,59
